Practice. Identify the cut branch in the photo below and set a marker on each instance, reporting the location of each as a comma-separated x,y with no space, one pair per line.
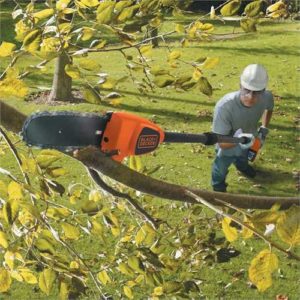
95,159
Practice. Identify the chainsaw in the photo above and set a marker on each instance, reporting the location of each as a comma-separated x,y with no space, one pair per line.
119,134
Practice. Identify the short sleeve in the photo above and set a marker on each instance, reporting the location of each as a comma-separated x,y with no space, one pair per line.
221,121
269,100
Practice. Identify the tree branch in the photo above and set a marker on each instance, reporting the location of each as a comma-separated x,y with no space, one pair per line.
93,158
99,181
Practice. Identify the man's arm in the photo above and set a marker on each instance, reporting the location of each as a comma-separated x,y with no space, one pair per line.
266,118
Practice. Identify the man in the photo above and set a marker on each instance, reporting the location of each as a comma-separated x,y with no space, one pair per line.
238,113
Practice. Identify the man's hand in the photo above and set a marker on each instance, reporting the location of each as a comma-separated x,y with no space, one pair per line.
249,137
262,134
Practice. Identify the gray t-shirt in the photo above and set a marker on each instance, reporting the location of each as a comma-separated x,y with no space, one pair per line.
230,114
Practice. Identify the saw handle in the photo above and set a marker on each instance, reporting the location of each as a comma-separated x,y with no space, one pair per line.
207,138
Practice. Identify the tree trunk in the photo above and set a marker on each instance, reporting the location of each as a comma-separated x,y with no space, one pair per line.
62,83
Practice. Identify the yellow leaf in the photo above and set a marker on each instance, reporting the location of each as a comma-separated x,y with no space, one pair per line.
72,71
43,245
288,226
158,291
140,236
179,28
71,232
207,27
135,163
210,62
231,8
12,86
91,95
46,280
248,25
14,190
87,33
46,157
64,290
135,264
95,195
27,275
115,230
231,233
163,80
276,6
108,84
128,12
15,275
6,49
97,228
105,12
128,292
197,74
247,233
5,280
261,268
62,4
146,50
21,29
115,102
56,172
32,41
43,14
3,240
10,211
253,8
103,277
174,55
88,64
90,3
124,269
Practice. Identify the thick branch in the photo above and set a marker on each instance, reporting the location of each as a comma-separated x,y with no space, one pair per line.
95,159
11,118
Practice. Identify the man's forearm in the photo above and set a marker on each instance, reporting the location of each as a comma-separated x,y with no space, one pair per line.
266,118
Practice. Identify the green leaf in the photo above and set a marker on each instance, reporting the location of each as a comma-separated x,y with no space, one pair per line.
91,95
46,157
128,292
91,207
163,80
103,277
6,49
288,226
72,71
46,280
140,236
56,172
64,290
105,12
230,232
5,280
230,8
43,245
124,269
254,8
248,25
32,41
71,232
146,49
3,240
43,14
205,86
261,269
157,70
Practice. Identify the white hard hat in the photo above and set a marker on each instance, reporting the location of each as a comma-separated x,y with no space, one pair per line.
254,78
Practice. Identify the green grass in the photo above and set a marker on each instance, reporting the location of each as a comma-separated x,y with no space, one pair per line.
275,45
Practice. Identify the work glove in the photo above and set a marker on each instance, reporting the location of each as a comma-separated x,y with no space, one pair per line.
262,134
250,137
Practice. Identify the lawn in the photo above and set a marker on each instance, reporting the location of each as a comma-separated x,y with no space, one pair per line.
276,46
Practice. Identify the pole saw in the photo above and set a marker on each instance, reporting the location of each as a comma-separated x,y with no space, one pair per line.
119,134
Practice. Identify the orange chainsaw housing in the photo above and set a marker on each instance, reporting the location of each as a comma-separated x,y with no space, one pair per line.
128,134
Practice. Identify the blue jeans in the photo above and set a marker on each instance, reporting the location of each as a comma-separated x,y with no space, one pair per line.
220,169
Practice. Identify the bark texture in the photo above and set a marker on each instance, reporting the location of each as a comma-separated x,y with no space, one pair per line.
95,159
62,83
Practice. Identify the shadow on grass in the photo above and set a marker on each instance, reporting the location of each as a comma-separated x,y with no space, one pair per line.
250,50
169,114
166,98
269,177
